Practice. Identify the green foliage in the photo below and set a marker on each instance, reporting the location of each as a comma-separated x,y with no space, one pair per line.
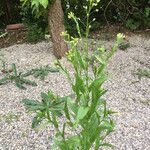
35,4
85,111
41,72
124,45
17,78
132,24
49,108
142,73
35,17
35,34
36,22
3,34
132,14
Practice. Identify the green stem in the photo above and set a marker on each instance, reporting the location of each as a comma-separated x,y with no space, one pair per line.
87,51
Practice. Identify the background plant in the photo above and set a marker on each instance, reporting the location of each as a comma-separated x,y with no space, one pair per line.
35,33
85,111
36,22
132,14
124,45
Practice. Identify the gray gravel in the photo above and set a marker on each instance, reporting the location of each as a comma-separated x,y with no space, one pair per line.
129,98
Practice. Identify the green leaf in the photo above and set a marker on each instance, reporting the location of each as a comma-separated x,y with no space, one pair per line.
93,128
66,110
80,59
14,69
96,95
100,59
147,11
73,142
111,112
97,83
32,105
82,111
63,131
44,96
24,2
20,85
107,145
36,121
35,3
79,86
47,98
73,106
70,144
106,125
62,145
97,143
4,80
44,3
28,82
132,24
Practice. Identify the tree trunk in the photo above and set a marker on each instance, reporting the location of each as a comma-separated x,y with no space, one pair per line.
56,27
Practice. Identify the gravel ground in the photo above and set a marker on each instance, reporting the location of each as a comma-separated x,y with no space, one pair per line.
130,98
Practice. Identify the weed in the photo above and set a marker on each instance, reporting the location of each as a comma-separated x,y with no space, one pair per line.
41,72
35,34
17,78
143,73
124,45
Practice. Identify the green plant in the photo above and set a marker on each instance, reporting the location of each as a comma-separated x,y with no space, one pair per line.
41,72
17,78
142,73
85,110
3,34
132,24
35,34
124,45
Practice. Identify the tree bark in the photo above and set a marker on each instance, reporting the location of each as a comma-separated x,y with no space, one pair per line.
56,27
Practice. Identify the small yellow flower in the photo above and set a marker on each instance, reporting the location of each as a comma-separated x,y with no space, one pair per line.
120,36
70,15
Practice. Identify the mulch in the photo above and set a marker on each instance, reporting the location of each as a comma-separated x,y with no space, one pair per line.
12,37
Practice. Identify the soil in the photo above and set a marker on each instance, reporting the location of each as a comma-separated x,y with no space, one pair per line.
13,37
105,33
